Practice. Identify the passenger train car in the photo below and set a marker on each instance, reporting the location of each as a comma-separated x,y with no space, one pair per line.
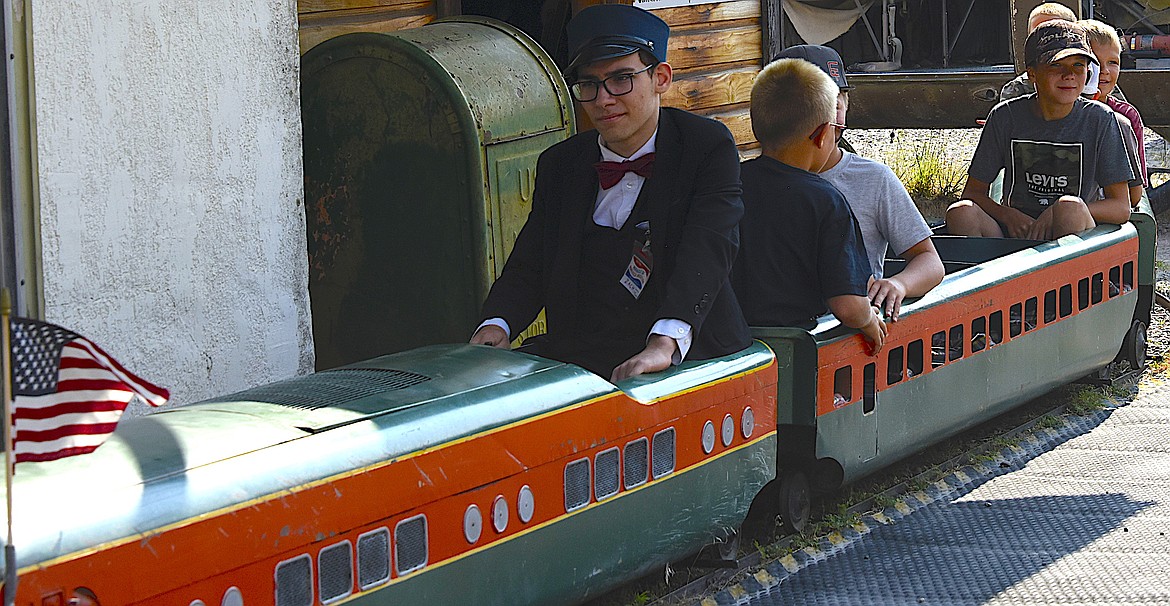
463,474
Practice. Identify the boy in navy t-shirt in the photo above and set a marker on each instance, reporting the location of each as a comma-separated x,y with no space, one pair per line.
800,251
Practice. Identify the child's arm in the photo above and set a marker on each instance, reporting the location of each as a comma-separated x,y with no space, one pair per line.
854,311
1114,207
924,270
1014,221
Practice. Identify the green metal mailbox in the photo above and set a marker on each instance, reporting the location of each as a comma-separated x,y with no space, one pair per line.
420,159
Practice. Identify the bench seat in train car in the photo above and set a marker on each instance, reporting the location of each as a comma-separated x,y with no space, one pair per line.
990,336
256,486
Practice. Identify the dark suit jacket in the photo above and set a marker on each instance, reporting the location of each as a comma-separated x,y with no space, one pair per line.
694,204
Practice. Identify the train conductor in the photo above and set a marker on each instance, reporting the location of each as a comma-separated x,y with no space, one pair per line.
634,226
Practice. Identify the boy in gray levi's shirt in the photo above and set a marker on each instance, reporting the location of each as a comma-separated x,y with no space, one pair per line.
1044,160
1057,149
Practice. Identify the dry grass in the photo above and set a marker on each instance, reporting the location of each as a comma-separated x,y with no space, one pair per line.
933,180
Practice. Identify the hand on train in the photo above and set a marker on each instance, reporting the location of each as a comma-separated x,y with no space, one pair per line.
887,294
875,331
655,357
1016,222
491,335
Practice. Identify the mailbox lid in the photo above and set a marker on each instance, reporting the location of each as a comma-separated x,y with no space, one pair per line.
492,64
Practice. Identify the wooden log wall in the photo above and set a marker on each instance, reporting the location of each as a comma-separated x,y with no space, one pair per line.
716,51
321,20
715,47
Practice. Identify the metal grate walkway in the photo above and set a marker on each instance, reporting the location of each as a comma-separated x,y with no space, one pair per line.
1079,514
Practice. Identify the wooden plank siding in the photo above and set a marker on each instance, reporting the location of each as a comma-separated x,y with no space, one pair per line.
321,20
716,50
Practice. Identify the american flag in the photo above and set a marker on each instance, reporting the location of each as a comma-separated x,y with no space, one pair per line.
68,394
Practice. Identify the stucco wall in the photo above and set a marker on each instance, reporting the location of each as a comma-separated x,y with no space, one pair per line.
169,149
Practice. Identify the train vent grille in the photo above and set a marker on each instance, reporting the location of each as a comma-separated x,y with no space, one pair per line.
577,484
410,544
637,462
335,572
373,558
328,388
663,458
294,582
607,468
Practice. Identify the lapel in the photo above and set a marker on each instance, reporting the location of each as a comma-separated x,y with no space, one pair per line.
578,195
657,193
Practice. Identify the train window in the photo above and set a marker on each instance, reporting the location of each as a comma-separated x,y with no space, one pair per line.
294,582
374,558
894,366
662,459
1098,288
914,359
955,349
1127,277
978,334
577,483
868,388
1029,314
1049,306
842,386
606,472
938,349
410,543
1016,319
1065,300
335,572
637,463
1082,294
1114,281
995,328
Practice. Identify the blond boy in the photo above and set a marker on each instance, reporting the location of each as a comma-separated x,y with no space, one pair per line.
801,252
1043,13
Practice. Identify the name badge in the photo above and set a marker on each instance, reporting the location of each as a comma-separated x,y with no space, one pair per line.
637,273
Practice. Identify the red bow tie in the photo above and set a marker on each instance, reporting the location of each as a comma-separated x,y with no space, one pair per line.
609,173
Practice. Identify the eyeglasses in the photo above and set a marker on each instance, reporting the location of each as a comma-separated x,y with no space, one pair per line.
621,84
840,130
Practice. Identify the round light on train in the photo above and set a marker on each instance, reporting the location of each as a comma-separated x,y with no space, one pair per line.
708,437
525,504
472,524
748,423
197,603
728,430
233,597
500,514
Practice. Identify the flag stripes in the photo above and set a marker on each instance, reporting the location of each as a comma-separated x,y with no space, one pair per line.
69,392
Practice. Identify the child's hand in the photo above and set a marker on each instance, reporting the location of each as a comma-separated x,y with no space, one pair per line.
887,294
1042,227
875,332
1016,222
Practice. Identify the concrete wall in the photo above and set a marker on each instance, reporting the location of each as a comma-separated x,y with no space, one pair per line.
169,150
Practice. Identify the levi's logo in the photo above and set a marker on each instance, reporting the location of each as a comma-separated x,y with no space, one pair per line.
1047,181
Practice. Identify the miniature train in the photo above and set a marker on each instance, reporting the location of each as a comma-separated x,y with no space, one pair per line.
465,474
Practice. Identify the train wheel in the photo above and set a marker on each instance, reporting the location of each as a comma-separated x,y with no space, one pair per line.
795,501
1133,348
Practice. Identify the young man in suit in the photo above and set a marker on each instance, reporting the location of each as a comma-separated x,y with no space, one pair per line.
634,225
